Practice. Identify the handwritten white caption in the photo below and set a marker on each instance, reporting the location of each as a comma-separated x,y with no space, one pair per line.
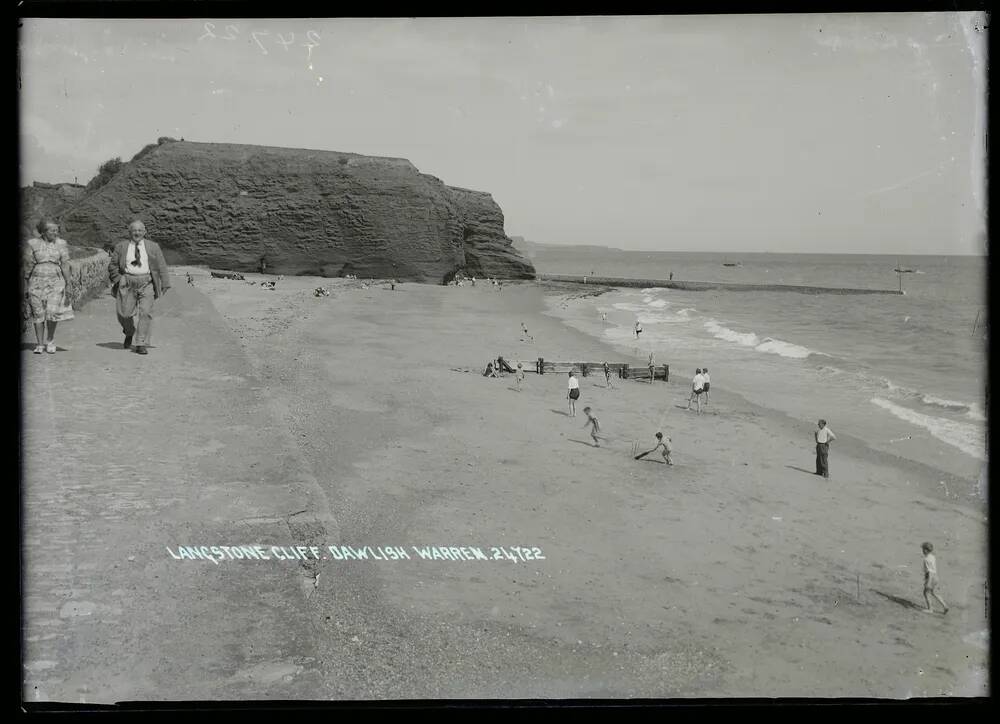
263,38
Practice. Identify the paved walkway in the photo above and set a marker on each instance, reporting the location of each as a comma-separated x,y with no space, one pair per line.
125,456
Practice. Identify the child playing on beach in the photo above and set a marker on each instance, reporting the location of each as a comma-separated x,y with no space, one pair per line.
638,330
591,420
572,393
930,578
652,368
697,389
519,376
663,445
708,384
607,376
524,333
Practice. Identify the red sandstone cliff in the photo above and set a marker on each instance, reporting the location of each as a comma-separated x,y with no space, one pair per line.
308,212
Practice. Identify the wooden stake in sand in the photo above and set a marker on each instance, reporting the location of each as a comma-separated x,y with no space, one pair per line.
859,588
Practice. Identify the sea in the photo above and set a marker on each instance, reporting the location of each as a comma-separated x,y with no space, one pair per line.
906,375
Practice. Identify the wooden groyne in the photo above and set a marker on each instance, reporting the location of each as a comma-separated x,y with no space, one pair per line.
621,370
706,286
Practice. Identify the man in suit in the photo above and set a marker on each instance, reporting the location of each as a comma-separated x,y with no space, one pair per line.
139,274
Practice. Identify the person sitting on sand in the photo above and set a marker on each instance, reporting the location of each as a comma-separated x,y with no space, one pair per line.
519,376
697,389
931,579
190,279
490,370
573,393
607,376
596,428
524,332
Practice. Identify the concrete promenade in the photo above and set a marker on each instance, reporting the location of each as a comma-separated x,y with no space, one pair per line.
125,456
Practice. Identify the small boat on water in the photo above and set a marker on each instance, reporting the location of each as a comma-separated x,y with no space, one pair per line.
898,270
732,263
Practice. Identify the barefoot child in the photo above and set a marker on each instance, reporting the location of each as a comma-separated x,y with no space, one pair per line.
663,445
607,376
591,420
931,579
519,376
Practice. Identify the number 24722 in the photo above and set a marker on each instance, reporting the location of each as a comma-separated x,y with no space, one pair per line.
231,31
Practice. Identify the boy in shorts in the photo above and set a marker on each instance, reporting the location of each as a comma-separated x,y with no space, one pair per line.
931,579
591,420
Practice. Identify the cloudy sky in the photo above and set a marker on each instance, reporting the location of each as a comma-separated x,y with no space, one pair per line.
810,133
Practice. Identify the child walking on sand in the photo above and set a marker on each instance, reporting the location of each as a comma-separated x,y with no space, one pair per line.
572,393
519,376
931,579
607,376
596,428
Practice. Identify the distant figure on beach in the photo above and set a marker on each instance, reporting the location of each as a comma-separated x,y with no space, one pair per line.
652,368
663,446
708,384
604,317
490,370
607,376
263,265
392,284
671,276
585,280
500,285
697,389
931,579
638,329
572,393
524,332
473,281
139,275
46,283
190,279
519,376
823,437
595,426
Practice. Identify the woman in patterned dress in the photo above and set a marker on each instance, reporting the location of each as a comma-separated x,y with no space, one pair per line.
46,275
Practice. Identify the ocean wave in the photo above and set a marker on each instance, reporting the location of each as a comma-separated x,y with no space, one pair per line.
658,303
971,410
963,436
749,339
785,349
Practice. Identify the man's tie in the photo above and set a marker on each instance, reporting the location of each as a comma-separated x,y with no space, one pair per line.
138,260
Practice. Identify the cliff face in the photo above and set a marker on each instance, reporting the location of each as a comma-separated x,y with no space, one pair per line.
308,212
41,200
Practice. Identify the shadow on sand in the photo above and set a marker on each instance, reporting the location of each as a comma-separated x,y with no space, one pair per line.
583,442
904,602
560,412
801,470
111,345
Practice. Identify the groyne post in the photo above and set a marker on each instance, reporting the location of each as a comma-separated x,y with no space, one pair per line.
540,366
623,372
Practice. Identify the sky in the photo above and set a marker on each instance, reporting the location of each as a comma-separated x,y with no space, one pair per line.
757,133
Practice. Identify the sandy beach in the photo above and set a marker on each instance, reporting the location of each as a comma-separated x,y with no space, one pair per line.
736,572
